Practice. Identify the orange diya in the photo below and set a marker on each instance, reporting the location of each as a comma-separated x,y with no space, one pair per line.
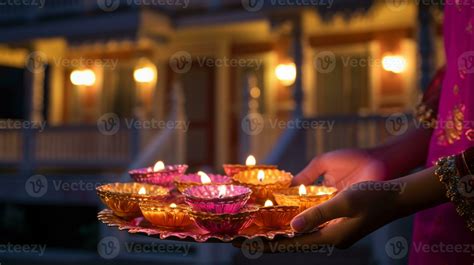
124,198
304,196
169,216
250,163
275,216
263,182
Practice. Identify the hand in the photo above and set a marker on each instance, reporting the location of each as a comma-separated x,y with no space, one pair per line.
342,168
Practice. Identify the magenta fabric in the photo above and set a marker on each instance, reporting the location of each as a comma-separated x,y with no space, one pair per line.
441,228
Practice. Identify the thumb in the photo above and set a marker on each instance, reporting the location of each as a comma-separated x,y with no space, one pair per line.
310,173
313,217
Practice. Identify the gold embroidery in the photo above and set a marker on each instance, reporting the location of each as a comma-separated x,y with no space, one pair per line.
470,135
451,129
456,89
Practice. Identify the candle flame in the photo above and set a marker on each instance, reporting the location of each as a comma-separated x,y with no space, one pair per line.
302,190
159,166
222,191
205,179
142,191
173,205
268,203
250,161
261,175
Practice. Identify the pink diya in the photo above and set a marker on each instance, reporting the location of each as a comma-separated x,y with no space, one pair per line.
159,175
200,178
250,163
275,216
263,182
124,198
217,198
304,196
224,223
168,216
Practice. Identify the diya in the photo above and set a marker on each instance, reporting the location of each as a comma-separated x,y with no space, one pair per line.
263,182
304,196
159,174
250,163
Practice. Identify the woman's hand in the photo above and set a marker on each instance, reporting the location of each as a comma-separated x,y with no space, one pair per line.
342,168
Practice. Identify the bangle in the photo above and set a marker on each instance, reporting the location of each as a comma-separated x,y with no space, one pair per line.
456,187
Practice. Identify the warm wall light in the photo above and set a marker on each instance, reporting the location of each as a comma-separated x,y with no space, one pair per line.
145,72
84,77
286,73
394,63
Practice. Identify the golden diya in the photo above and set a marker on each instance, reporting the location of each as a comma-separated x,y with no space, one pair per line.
250,163
124,198
263,182
304,196
169,216
217,198
272,216
200,178
159,174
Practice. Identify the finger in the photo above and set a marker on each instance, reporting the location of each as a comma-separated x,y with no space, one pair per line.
309,174
317,215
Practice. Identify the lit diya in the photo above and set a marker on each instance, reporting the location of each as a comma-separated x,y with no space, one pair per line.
263,182
217,198
159,174
200,178
124,198
304,196
169,216
250,163
225,223
275,216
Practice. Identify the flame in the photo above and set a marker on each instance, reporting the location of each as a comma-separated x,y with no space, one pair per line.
205,179
173,205
268,203
302,190
261,175
250,161
142,191
159,166
222,191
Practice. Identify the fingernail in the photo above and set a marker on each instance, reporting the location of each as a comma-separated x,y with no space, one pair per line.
299,223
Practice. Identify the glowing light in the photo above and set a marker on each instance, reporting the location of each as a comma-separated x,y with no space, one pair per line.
142,191
145,72
222,191
261,175
286,73
250,161
325,191
268,203
394,63
173,205
83,77
159,166
302,190
205,179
